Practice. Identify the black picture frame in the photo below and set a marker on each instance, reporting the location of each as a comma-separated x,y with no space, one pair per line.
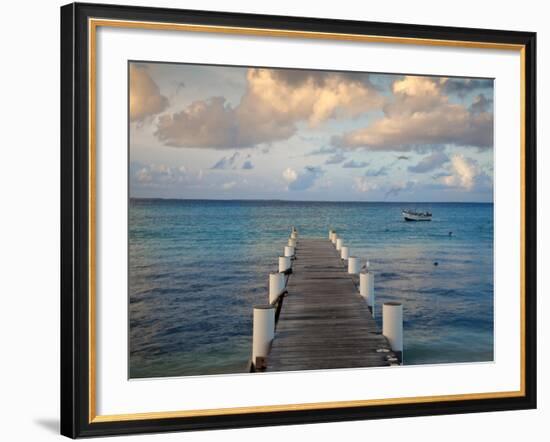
75,220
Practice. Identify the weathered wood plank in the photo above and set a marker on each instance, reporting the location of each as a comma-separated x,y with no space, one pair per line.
324,323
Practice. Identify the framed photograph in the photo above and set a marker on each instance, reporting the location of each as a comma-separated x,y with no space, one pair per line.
274,220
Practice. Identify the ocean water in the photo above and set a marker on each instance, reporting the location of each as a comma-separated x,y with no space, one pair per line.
197,267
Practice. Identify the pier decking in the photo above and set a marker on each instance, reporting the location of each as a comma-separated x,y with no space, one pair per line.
323,322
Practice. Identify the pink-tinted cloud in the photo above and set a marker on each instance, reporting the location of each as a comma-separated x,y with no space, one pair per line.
421,115
145,97
274,103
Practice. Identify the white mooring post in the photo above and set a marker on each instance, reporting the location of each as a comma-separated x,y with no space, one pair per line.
289,251
366,289
344,252
334,238
392,326
330,232
284,263
354,265
294,234
263,332
276,286
339,243
292,242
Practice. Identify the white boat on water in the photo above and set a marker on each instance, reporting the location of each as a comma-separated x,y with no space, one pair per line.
413,215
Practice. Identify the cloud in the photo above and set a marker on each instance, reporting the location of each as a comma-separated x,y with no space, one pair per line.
303,180
160,175
313,96
362,184
232,162
247,165
481,104
429,163
352,164
337,158
421,115
145,97
382,171
229,185
396,189
274,103
226,162
465,173
463,86
290,175
324,150
208,123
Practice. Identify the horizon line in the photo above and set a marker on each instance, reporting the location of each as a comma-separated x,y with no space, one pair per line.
304,201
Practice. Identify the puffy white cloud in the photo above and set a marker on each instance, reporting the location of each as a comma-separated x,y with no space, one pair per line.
274,103
302,180
421,115
161,175
362,184
429,163
464,173
290,175
145,97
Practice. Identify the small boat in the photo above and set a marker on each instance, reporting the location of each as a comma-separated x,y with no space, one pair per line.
413,215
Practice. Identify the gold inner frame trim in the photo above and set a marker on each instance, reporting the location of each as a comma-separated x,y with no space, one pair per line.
93,24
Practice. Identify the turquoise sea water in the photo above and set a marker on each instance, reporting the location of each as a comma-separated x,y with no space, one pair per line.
197,267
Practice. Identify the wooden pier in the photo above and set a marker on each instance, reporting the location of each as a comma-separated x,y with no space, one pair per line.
323,322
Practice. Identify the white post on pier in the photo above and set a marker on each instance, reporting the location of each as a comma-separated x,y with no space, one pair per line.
284,263
339,243
344,252
334,238
354,265
392,326
289,251
294,234
292,242
276,286
366,288
263,332
330,232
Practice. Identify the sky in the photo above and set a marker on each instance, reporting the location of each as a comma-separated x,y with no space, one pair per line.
223,132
